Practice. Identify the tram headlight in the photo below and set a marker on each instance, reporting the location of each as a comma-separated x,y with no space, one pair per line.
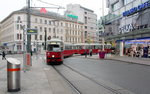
53,55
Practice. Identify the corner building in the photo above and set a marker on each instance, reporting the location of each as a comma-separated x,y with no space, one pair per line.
86,16
128,24
49,25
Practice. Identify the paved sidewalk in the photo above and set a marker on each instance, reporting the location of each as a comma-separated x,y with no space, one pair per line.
138,60
40,79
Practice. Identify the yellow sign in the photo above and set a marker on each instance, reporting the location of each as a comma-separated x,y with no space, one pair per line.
31,31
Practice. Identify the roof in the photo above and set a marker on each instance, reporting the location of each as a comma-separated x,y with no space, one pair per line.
36,12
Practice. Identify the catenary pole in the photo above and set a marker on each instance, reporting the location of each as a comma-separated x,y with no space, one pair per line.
28,27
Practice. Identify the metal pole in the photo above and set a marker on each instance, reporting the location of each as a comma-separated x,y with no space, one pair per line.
103,41
28,27
45,39
28,48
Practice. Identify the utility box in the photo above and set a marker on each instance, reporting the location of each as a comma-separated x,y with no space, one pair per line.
13,75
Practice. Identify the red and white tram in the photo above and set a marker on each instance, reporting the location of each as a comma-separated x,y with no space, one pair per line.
57,50
54,53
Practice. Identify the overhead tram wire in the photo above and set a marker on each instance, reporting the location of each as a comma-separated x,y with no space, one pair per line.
59,7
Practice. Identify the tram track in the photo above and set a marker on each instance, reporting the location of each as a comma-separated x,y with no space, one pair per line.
72,86
92,80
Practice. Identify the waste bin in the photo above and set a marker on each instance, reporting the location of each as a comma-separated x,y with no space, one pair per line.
13,75
101,54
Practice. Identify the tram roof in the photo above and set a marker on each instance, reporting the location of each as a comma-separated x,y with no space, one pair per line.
55,39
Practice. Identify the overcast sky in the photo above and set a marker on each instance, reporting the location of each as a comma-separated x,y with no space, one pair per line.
8,6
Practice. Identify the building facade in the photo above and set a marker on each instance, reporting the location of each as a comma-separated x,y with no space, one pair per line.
100,31
128,23
49,25
87,17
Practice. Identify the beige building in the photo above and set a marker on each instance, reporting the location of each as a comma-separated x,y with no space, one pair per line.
50,24
88,17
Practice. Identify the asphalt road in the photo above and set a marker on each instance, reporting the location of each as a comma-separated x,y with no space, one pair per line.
132,77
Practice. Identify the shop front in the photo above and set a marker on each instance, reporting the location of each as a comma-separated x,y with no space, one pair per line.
139,47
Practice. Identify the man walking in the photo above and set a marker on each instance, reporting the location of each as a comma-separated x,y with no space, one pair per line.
3,55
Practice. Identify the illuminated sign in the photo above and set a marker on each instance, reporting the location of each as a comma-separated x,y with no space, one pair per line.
31,31
137,9
138,41
72,16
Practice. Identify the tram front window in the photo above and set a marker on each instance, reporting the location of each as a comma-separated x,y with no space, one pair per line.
53,48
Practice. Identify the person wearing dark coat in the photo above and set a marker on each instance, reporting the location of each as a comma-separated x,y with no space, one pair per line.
3,55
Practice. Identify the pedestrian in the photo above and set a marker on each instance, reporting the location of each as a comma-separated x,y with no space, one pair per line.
90,52
3,55
31,53
85,53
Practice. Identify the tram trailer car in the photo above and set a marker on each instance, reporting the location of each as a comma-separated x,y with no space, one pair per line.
57,50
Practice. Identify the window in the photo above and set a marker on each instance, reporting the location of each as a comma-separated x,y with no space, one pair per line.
66,24
115,6
17,36
45,29
61,24
49,30
85,27
18,19
17,26
40,20
127,1
40,37
35,37
49,22
85,12
85,20
41,29
57,31
53,30
45,21
36,20
20,36
36,28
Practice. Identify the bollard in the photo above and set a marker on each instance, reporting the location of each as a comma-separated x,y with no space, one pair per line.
13,75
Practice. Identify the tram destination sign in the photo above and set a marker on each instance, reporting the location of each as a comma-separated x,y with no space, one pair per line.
137,9
32,31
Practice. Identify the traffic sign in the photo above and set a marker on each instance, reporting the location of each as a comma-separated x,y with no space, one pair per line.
31,31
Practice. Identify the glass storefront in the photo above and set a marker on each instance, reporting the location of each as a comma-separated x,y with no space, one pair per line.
137,47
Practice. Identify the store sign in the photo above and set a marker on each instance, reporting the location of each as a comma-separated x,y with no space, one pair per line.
137,9
126,28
